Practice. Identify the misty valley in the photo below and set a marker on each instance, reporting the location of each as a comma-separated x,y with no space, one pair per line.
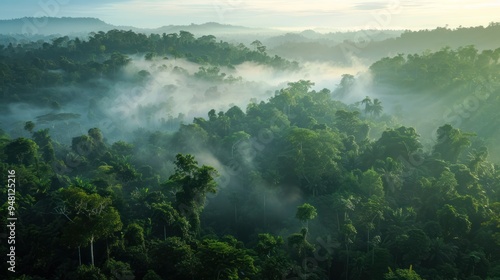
222,152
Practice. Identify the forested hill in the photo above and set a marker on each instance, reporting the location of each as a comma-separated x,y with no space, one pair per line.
28,67
330,38
457,86
483,37
368,48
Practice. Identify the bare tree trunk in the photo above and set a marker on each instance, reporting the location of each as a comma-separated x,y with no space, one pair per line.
164,232
368,241
373,255
347,264
107,249
338,221
79,256
265,214
92,249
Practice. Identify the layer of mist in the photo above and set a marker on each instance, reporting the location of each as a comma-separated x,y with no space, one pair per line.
161,94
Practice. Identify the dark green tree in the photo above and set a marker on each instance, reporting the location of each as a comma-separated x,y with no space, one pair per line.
376,107
21,151
134,235
450,143
29,126
192,184
220,260
90,218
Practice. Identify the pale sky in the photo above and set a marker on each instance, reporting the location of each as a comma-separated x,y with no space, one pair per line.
293,14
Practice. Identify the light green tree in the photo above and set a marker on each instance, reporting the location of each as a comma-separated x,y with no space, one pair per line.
305,213
402,274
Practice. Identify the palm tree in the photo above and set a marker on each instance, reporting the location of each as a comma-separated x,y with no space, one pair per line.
477,160
442,252
376,109
368,104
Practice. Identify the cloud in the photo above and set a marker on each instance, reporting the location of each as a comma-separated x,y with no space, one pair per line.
370,6
339,15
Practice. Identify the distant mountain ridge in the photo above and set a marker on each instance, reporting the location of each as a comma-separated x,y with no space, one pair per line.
53,25
370,47
82,26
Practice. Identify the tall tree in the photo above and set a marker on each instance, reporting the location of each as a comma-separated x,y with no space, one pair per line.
21,151
400,144
345,86
371,184
368,104
90,217
305,213
349,233
313,155
192,184
222,260
376,107
450,143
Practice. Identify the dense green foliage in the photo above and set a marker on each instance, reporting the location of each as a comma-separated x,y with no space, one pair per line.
300,186
27,67
460,87
443,68
379,204
372,45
